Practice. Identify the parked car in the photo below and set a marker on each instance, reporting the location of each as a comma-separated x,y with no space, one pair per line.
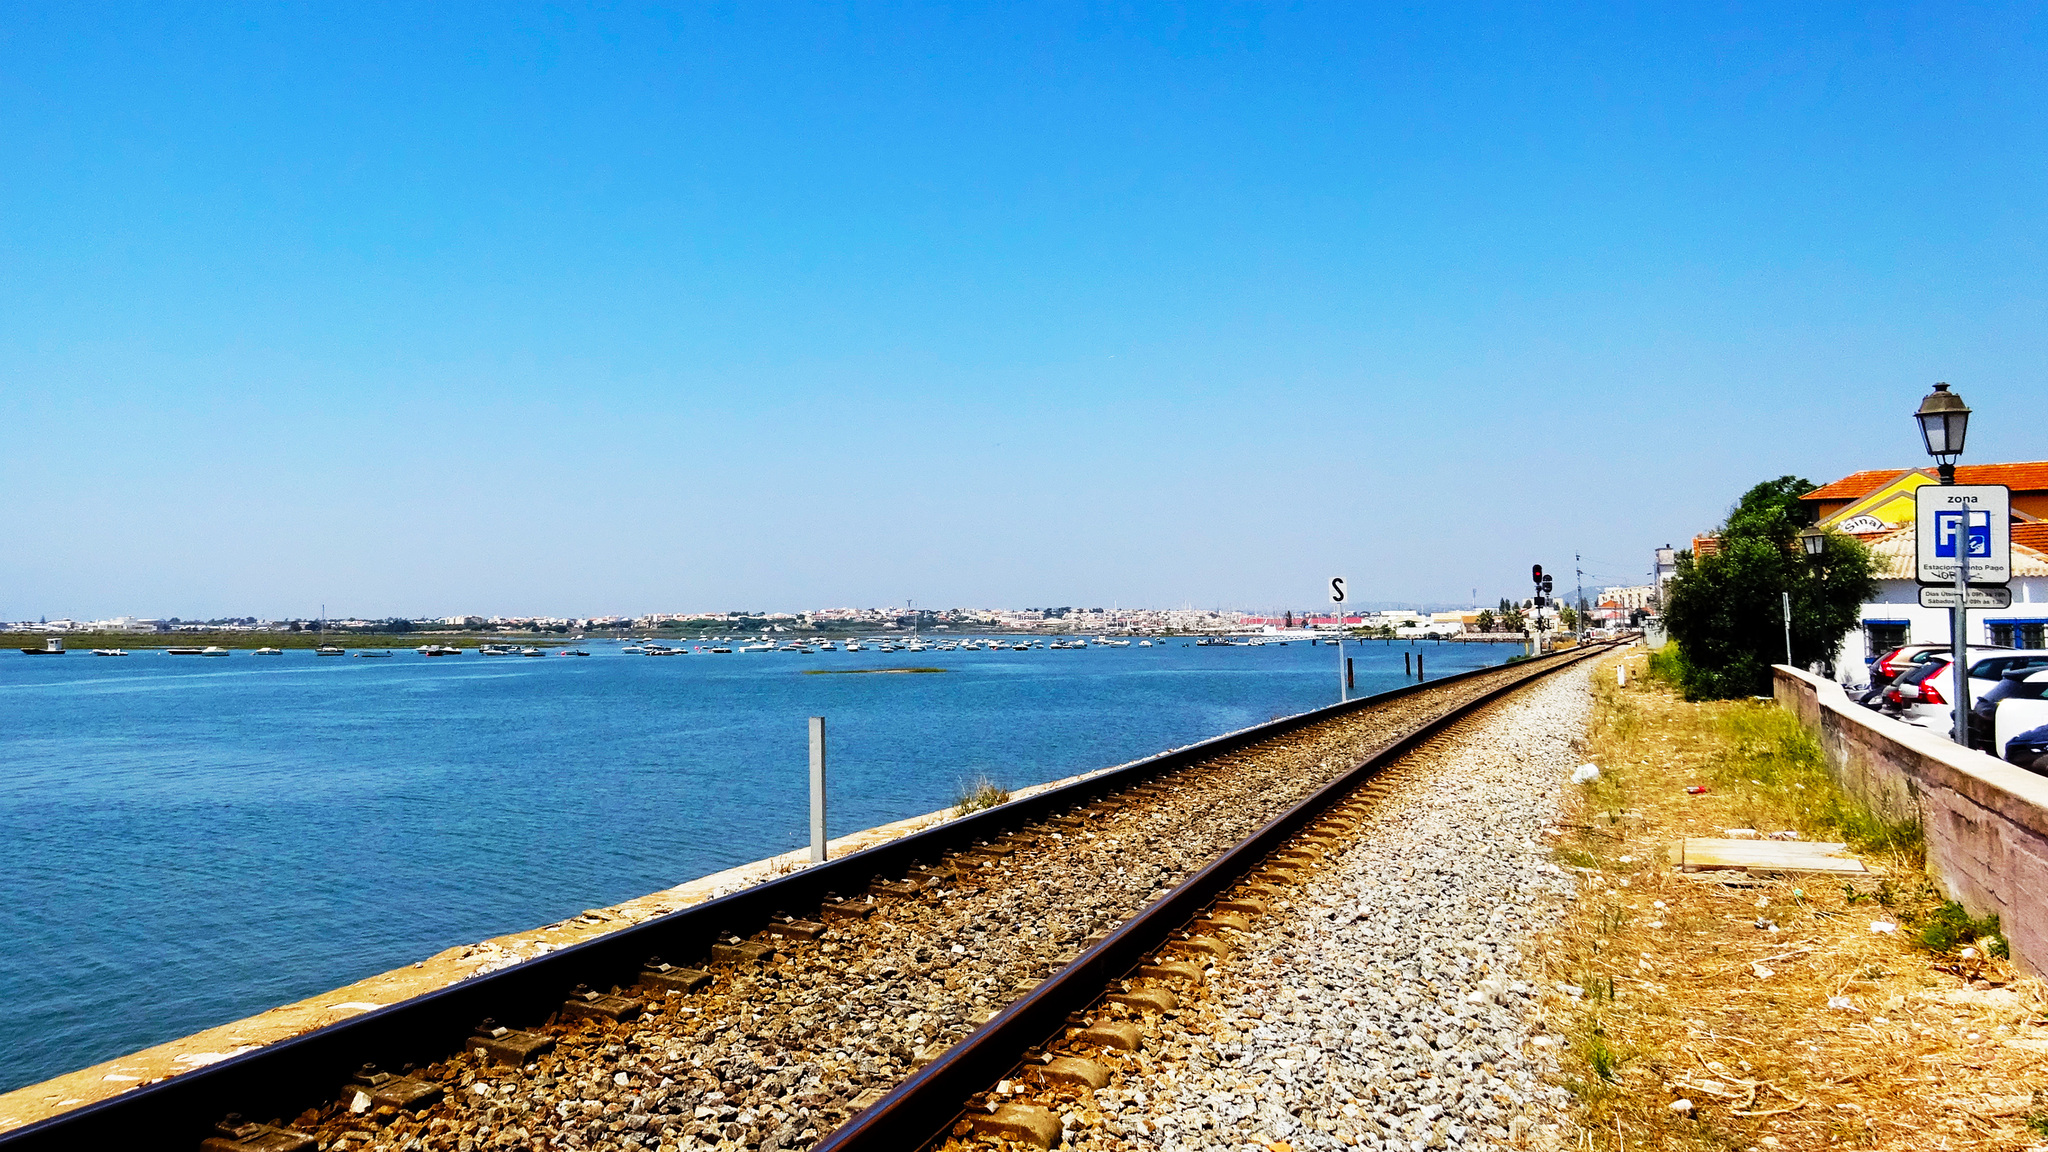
1898,661
2021,705
1986,675
1926,694
2029,750
1918,696
1904,659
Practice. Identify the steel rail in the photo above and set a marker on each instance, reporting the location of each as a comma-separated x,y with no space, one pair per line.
283,1078
921,1110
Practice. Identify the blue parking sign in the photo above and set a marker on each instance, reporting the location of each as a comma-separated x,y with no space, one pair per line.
1976,518
1948,525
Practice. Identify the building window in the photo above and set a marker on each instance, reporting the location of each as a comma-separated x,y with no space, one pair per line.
1881,636
2019,633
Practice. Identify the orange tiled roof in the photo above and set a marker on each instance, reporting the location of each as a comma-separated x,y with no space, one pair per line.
2032,535
2029,476
1855,486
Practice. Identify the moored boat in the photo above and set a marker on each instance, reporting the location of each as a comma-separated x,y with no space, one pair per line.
270,652
329,650
109,652
52,646
184,651
213,650
372,653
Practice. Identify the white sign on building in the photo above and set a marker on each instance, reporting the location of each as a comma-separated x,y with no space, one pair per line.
1963,522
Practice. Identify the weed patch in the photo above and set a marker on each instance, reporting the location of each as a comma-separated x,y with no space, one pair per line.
979,793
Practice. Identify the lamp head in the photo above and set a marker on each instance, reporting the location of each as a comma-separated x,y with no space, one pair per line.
1944,421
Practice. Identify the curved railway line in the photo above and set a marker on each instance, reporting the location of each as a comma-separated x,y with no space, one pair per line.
855,1004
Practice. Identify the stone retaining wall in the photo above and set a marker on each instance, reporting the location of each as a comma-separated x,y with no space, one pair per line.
1986,821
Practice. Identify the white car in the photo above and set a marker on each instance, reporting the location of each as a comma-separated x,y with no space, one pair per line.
2021,706
1925,695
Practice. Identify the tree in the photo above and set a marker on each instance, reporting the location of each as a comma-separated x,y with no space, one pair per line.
1512,620
1569,618
1725,610
1485,621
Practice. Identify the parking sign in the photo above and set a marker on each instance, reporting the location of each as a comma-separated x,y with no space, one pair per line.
1974,520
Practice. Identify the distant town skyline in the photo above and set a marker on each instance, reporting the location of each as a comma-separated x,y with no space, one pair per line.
539,309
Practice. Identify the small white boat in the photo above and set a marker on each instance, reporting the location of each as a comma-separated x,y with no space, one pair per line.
329,650
757,648
854,646
109,652
1144,643
438,650
721,650
270,651
530,650
372,653
633,649
213,650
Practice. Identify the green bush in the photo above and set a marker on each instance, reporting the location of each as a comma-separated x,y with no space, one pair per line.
1668,664
1725,609
1950,927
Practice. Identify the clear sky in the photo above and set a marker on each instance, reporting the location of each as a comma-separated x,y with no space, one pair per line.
574,310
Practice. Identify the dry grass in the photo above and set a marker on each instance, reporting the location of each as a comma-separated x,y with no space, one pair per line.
979,793
1686,996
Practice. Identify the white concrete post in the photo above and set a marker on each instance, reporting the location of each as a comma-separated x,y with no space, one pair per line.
817,789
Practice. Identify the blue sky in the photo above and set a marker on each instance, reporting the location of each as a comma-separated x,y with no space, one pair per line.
622,308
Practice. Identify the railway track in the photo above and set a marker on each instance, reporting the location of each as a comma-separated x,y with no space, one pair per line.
1045,1038
795,1009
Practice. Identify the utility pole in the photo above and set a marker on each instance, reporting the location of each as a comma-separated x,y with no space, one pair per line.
1579,568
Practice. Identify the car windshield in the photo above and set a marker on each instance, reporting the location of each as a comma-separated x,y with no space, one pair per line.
1996,666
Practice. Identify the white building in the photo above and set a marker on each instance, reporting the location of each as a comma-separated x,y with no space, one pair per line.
1895,616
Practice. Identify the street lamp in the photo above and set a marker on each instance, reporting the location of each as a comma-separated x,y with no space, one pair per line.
1814,541
1944,419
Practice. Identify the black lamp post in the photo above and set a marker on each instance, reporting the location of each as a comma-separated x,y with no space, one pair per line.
1814,542
1944,420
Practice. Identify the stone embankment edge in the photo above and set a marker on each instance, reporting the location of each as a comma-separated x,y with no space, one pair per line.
1985,821
34,1102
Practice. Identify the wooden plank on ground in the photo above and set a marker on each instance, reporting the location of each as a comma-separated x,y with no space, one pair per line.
1695,853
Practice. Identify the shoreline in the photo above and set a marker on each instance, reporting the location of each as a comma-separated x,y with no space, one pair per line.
31,1103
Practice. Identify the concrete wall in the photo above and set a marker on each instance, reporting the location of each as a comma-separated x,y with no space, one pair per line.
1986,821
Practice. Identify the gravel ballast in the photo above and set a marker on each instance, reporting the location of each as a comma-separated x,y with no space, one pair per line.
772,1055
1385,1001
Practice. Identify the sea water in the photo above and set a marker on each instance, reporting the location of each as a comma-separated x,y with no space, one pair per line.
185,841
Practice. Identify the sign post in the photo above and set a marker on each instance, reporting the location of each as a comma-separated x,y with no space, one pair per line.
1337,598
1962,538
1787,598
818,790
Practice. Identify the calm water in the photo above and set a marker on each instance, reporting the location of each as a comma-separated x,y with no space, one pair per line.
185,841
